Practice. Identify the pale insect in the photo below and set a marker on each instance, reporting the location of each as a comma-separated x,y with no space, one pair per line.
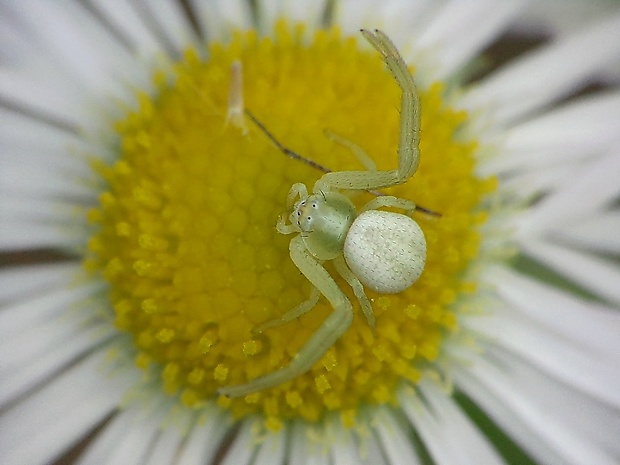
381,250
235,98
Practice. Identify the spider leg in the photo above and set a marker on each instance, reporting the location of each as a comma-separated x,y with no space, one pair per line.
285,150
297,190
293,313
284,228
325,336
359,152
389,201
409,139
358,289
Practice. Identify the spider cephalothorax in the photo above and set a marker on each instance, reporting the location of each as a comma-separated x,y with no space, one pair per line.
323,220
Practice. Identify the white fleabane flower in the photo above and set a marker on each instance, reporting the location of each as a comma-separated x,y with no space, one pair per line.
119,155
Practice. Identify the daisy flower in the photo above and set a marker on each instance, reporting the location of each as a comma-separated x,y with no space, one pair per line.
140,250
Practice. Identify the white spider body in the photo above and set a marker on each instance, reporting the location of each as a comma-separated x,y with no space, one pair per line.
381,250
385,250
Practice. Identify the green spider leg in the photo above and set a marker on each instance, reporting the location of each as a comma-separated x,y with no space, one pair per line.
330,331
293,313
309,304
408,151
389,201
359,152
358,289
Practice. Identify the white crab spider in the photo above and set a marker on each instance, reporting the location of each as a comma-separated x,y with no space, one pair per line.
381,250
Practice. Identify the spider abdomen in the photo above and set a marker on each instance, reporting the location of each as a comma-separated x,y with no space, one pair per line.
385,250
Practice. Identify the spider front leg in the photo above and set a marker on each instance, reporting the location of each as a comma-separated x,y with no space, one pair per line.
297,190
324,337
408,151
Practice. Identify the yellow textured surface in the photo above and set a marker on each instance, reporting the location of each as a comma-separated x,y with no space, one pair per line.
185,232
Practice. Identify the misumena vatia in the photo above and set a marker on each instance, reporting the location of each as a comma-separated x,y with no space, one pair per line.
381,250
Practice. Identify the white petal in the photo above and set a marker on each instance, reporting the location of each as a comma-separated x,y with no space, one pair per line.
599,233
576,367
396,444
310,13
530,416
218,17
166,447
173,23
242,448
531,184
43,425
450,436
544,141
551,409
548,74
105,441
560,17
591,326
30,180
132,447
41,210
205,438
21,347
271,451
595,274
31,81
591,417
31,92
28,280
401,20
21,380
426,426
18,317
42,222
16,136
372,452
78,44
54,149
404,22
345,449
303,449
462,29
583,195
135,421
24,236
504,414
125,18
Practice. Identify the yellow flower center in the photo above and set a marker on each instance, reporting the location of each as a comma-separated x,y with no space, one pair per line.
185,231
